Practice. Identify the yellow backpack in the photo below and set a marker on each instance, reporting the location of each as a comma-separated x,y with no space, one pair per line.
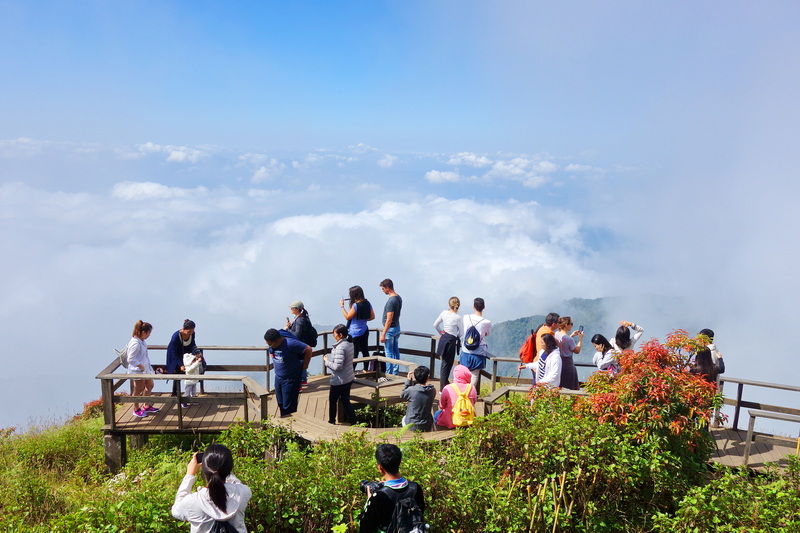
463,410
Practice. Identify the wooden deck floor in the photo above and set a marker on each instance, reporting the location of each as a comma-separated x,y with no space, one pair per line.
765,449
205,415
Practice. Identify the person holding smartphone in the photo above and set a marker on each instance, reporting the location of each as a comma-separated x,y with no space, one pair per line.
567,348
224,498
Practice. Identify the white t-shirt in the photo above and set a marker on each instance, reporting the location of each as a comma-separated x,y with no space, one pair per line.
483,326
449,322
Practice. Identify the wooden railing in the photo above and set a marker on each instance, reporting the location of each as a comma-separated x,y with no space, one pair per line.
253,397
739,403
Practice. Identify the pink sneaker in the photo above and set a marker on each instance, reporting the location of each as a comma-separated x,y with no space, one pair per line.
150,409
140,413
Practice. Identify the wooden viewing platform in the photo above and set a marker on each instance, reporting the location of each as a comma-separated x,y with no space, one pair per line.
245,400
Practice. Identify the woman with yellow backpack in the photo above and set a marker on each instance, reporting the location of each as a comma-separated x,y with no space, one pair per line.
457,401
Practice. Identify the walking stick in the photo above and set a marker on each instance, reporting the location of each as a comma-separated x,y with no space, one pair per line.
518,374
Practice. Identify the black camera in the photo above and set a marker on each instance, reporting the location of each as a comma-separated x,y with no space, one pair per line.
374,486
199,457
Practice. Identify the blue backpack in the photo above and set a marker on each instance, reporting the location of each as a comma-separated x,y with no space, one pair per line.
472,338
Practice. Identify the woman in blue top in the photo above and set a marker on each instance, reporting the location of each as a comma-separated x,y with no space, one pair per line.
357,316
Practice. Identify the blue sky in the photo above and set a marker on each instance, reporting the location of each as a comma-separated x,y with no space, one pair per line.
164,160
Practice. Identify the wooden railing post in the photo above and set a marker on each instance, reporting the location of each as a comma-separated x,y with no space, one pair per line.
107,387
738,406
433,360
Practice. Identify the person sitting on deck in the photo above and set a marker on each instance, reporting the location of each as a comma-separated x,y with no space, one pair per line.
290,357
420,399
450,394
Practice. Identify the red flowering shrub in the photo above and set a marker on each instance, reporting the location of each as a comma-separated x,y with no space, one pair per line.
655,397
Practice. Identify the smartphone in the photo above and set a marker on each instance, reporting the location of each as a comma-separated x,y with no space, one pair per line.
580,329
199,457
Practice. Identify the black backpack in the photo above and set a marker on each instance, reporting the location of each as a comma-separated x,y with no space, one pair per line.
223,527
472,338
407,516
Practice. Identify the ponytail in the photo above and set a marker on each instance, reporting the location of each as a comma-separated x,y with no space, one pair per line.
341,329
217,466
141,328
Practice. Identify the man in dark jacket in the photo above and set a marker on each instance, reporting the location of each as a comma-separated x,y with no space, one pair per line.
420,397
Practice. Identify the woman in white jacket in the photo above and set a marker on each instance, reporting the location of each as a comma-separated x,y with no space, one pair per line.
223,499
139,363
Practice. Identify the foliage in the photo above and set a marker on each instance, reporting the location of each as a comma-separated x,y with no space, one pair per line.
738,502
654,397
385,415
631,457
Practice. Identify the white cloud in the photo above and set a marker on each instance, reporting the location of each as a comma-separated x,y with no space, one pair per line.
270,169
175,154
387,161
470,159
148,191
438,176
22,147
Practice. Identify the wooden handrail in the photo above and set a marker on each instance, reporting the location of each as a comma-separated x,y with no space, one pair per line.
738,403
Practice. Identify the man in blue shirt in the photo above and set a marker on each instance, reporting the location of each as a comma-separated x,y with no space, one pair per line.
289,358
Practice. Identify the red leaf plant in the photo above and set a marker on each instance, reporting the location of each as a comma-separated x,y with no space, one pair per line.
654,395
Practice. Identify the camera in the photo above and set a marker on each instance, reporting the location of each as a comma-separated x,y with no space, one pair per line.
199,458
374,486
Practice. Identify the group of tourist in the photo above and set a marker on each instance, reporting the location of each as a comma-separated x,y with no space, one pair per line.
222,502
183,357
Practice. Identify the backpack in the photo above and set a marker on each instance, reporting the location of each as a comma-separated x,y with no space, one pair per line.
463,410
222,527
309,333
472,338
528,348
123,356
407,516
311,336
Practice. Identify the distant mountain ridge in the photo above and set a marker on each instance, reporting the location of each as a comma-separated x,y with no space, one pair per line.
507,337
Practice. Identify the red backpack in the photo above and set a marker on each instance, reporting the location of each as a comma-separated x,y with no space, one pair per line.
528,348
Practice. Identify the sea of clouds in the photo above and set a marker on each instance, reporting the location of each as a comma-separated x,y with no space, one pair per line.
96,237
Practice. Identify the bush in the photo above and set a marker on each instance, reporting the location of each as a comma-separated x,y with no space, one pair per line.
738,502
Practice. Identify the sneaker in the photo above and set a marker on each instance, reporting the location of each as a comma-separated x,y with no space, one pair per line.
382,380
139,413
185,405
150,409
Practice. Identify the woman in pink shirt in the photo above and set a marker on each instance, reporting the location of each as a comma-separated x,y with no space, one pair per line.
449,395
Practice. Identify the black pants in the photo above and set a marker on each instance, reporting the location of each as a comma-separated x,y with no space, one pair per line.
448,358
361,348
340,394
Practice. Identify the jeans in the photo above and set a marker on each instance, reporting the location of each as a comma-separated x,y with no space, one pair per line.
392,350
287,391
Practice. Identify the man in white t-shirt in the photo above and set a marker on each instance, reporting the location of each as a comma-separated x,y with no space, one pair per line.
475,358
